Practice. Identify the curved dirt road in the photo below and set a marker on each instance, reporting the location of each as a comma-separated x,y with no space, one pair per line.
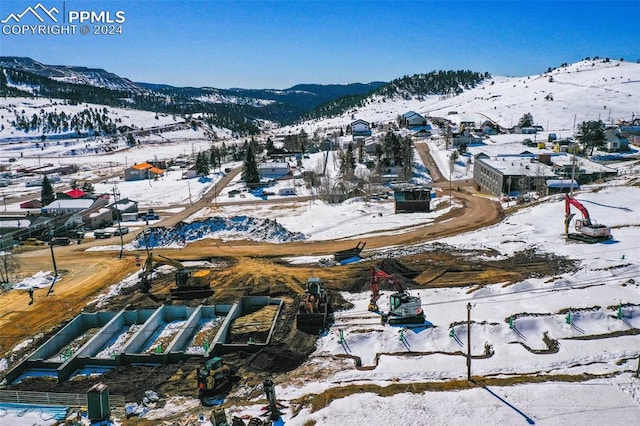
87,273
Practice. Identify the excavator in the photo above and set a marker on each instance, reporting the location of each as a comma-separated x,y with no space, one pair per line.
404,308
191,283
314,307
587,231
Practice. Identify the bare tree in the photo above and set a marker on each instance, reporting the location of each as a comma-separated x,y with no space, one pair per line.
8,265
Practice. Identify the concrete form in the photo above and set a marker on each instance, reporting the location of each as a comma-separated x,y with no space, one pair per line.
102,341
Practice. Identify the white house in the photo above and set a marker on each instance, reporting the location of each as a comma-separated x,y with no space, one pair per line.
273,170
70,205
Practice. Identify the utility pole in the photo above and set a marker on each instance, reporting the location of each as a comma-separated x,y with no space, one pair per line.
53,258
469,341
115,204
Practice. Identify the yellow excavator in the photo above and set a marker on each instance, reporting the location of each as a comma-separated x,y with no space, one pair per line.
191,283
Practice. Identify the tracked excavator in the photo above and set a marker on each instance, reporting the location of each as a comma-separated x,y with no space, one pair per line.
403,307
587,231
191,283
313,310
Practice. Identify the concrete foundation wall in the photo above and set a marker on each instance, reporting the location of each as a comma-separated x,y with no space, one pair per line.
111,324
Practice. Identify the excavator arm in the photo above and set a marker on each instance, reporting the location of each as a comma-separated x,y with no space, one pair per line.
587,230
570,201
376,274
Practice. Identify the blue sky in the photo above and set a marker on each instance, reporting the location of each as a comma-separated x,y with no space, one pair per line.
277,44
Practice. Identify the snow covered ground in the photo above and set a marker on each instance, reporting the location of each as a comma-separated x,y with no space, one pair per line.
597,346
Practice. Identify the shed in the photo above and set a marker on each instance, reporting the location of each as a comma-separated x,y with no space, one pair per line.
412,198
558,186
31,204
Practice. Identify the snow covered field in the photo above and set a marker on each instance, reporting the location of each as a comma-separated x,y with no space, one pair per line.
579,371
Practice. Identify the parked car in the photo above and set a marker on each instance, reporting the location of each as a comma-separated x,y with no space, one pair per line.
32,242
122,230
102,233
60,241
150,216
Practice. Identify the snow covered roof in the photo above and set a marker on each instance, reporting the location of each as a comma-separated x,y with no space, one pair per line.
71,203
562,183
518,166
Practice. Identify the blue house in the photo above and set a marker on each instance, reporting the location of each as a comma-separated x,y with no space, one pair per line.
360,128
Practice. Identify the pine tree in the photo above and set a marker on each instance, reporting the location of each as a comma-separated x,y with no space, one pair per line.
526,120
347,162
47,196
250,171
88,187
202,164
591,134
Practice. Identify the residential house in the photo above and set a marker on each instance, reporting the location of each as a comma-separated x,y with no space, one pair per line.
142,171
614,141
273,170
347,140
412,119
68,205
328,144
565,145
342,191
122,207
98,218
559,186
466,138
190,173
421,132
581,169
372,146
360,128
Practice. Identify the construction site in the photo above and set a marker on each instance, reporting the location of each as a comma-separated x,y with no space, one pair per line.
215,321
260,314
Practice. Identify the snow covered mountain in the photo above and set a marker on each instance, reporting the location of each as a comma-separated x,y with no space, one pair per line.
591,89
71,74
241,110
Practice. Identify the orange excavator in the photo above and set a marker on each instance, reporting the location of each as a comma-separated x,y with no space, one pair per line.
403,307
587,231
